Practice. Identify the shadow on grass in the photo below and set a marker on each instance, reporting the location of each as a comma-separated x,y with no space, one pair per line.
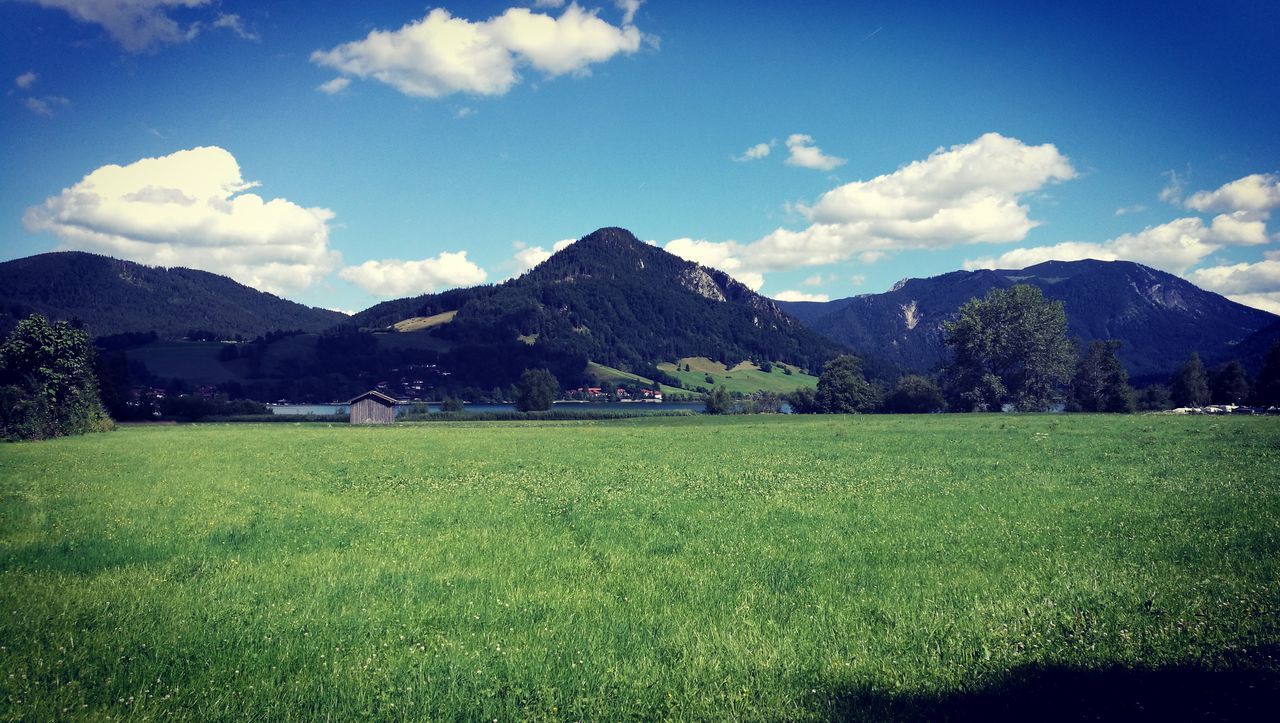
1064,694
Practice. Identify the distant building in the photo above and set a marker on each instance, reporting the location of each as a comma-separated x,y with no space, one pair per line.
373,407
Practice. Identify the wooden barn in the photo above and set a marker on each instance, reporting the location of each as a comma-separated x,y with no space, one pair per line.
373,407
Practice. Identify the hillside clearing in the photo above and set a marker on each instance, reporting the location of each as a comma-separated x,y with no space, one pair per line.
423,323
692,568
744,377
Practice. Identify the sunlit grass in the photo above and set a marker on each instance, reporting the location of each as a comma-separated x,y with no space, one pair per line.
681,567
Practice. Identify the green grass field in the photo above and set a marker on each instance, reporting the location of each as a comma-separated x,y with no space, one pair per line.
688,568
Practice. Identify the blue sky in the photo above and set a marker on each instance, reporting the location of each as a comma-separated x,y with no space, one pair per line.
371,149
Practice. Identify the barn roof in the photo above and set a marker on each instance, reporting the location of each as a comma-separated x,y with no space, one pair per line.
374,394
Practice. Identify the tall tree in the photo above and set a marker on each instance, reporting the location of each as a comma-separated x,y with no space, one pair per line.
843,389
915,394
536,391
1101,383
1229,384
1189,386
1010,347
46,371
1266,391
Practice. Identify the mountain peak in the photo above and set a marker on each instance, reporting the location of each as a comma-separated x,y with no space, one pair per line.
611,236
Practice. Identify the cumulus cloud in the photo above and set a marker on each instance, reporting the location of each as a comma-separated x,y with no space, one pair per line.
725,256
1256,285
335,86
804,154
46,105
527,257
1174,247
443,54
1177,245
141,25
966,194
393,277
191,208
26,80
756,152
790,295
1253,194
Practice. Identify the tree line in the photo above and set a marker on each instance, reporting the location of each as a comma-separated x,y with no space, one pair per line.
1010,351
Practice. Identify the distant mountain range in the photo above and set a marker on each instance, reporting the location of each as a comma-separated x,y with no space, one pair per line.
112,297
612,299
1158,317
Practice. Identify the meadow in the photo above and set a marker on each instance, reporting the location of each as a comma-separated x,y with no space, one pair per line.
685,568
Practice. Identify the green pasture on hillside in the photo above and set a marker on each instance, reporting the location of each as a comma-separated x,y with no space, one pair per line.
744,377
688,568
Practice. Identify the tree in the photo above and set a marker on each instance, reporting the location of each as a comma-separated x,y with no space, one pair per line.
915,394
1229,384
1154,398
1010,347
720,402
50,388
842,388
1101,383
1266,392
765,402
452,404
1189,386
536,391
804,401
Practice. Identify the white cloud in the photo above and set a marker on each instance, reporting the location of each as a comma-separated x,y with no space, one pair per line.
393,277
335,86
137,25
815,280
26,80
800,296
1174,247
756,152
548,3
442,54
719,255
966,194
1263,276
236,25
858,279
1135,208
1255,193
1177,245
1268,301
527,257
191,208
1173,187
805,154
1256,285
46,105
629,9
464,112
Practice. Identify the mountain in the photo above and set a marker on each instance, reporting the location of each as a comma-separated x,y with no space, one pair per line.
1159,318
614,300
112,297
